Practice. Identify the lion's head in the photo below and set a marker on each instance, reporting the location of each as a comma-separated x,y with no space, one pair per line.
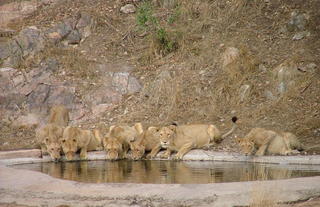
137,150
113,148
166,135
69,142
247,146
54,149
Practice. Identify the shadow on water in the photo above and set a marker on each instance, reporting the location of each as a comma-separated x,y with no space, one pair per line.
168,172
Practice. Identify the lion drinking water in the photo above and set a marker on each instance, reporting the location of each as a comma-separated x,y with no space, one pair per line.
75,139
49,135
261,142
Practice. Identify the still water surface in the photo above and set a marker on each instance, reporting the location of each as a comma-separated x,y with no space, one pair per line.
169,172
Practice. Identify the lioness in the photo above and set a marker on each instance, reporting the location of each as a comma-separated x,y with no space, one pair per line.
186,137
49,139
261,142
59,115
49,135
75,139
125,135
113,148
147,141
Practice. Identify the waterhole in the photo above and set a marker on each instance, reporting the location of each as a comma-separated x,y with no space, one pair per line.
169,172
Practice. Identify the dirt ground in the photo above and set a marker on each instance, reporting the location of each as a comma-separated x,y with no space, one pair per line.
184,81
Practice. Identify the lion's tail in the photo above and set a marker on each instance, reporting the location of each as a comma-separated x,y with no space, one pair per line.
234,127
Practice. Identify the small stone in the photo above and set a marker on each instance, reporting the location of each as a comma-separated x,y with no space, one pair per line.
127,9
301,35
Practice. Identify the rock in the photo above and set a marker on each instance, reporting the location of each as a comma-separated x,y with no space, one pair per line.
30,40
124,83
127,9
298,21
84,25
50,64
36,100
60,94
15,10
73,38
133,85
100,109
269,95
120,81
286,75
11,54
230,55
244,92
301,35
103,95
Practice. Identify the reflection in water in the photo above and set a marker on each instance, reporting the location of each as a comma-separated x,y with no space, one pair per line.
126,171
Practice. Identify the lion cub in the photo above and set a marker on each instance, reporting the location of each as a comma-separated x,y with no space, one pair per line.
75,139
186,137
261,142
122,135
49,138
147,141
49,135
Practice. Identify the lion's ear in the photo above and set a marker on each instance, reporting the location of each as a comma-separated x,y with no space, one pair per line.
152,128
173,127
139,128
238,140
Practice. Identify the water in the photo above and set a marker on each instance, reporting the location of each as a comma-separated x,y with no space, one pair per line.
169,172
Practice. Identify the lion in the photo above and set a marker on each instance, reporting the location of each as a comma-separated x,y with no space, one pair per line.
146,142
49,139
113,148
59,115
125,135
186,137
261,142
75,139
48,136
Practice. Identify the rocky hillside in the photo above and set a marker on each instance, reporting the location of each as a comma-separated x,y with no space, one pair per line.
160,61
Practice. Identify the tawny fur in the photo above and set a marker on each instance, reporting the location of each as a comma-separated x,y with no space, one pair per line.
125,135
186,137
146,142
261,142
75,139
49,138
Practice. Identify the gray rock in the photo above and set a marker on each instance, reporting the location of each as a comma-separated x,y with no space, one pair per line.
120,81
30,40
50,64
127,9
286,76
73,38
37,98
301,35
11,54
298,21
84,25
269,95
133,85
63,29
